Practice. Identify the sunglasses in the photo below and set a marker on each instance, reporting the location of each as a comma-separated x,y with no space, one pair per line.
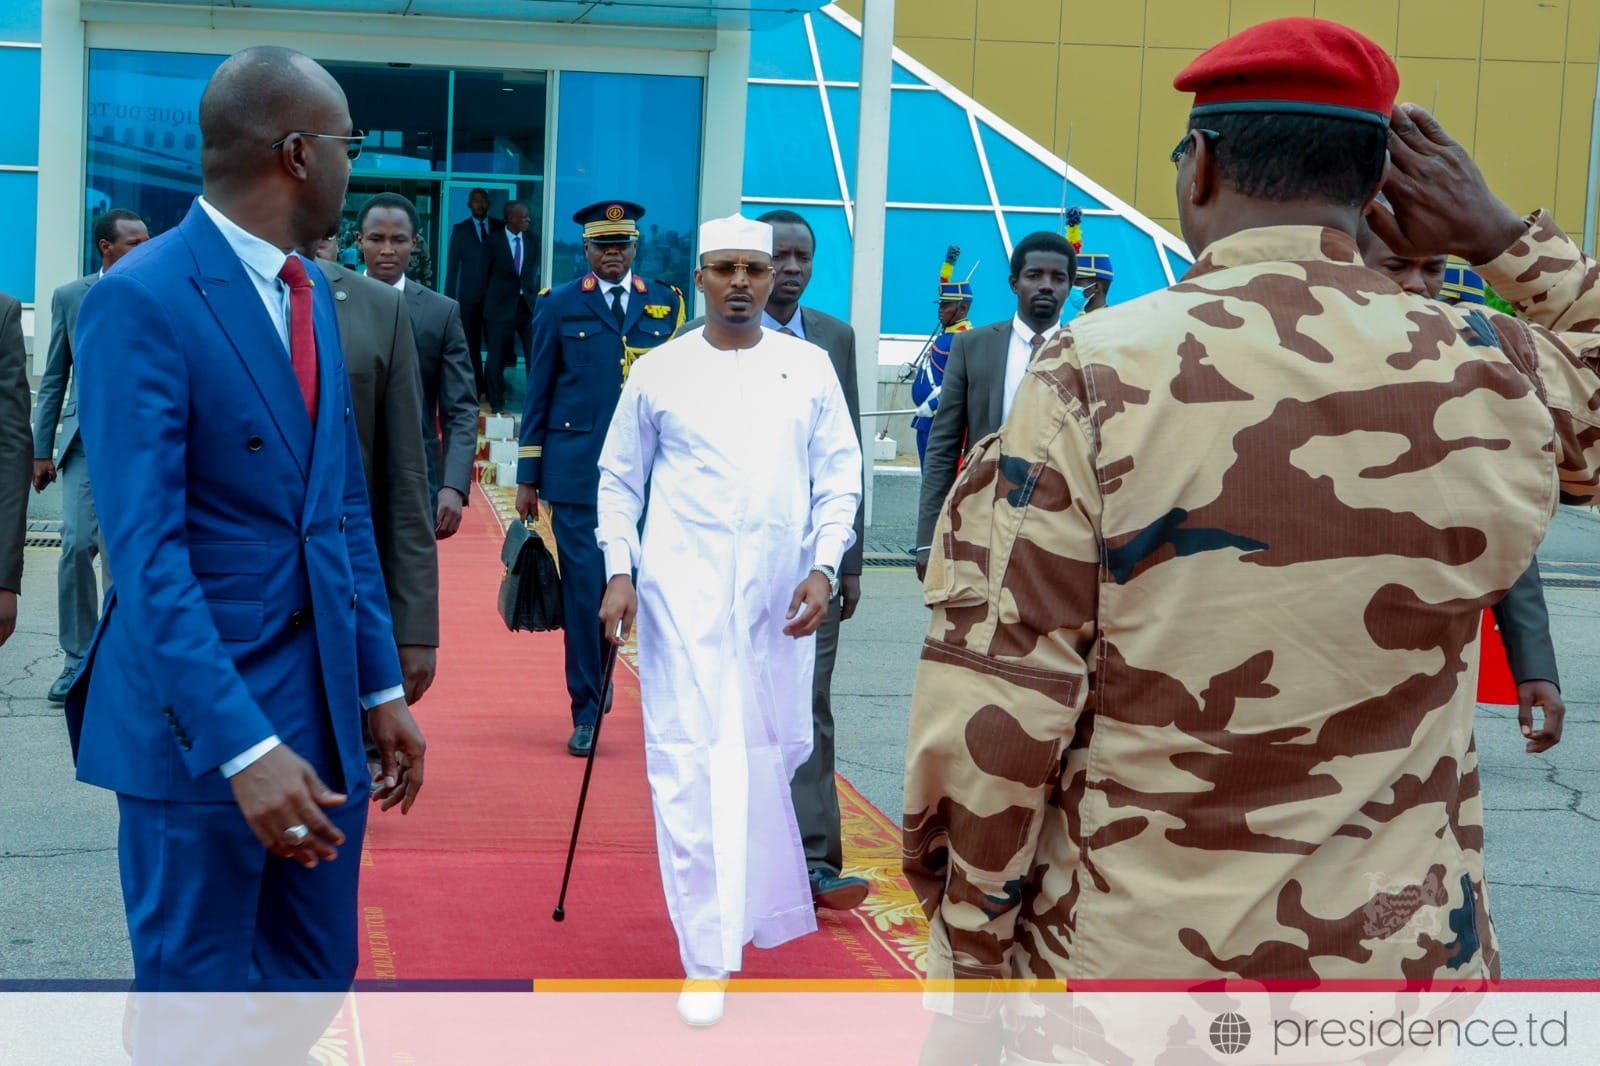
1188,139
352,143
724,269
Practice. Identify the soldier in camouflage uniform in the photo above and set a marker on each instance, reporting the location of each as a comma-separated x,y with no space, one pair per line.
1196,700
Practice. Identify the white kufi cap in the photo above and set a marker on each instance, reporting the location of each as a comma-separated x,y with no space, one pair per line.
735,233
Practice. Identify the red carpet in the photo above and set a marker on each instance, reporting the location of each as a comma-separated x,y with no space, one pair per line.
463,887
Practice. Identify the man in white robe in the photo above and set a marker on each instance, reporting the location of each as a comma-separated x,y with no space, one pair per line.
754,474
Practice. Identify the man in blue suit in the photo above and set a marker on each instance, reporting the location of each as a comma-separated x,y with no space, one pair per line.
247,640
586,334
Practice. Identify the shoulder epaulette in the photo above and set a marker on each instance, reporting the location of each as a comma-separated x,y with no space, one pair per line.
545,291
639,285
588,283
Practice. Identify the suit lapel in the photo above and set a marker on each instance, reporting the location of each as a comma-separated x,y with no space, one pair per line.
417,307
333,408
228,291
997,343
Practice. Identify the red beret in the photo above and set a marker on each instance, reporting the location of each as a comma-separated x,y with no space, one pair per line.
1294,65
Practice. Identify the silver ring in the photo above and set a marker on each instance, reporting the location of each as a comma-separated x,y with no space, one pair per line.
296,834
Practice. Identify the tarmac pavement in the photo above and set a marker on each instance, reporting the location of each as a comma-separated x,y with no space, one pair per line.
60,902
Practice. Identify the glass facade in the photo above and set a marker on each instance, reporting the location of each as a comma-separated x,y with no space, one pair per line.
19,143
630,137
957,175
433,134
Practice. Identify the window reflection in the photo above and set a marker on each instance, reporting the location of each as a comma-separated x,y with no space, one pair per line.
404,110
499,122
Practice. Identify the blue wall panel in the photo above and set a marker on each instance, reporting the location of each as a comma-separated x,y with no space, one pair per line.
19,214
786,152
19,20
19,88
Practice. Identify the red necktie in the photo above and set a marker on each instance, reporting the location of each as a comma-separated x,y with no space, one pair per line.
302,334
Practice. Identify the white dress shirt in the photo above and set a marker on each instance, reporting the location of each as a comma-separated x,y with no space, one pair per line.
795,324
400,283
1018,354
262,261
607,286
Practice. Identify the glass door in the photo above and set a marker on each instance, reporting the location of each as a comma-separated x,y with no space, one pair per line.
455,209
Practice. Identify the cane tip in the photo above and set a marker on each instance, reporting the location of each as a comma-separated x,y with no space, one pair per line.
560,915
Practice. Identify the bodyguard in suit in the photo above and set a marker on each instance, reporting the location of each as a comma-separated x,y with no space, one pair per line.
586,334
248,638
14,449
467,273
380,356
987,364
508,301
116,233
387,227
815,794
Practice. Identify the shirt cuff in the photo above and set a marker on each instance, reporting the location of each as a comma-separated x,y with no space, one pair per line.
248,756
619,560
830,551
373,699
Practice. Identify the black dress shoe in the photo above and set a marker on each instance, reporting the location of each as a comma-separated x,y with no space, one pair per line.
582,741
837,893
58,691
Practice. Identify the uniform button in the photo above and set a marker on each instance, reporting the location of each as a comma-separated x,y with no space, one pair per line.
581,334
297,619
341,523
353,599
308,538
253,444
566,425
184,744
347,414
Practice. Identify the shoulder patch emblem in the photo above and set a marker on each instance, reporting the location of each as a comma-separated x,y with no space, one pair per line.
589,284
638,284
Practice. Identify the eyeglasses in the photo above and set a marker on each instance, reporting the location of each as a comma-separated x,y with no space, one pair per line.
352,143
725,269
1188,139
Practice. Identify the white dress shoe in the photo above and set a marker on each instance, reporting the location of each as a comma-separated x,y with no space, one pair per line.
700,1002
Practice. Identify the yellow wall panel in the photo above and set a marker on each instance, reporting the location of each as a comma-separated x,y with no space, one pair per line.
1018,82
1519,126
1572,167
1441,29
950,59
1184,23
1019,20
1583,33
1457,84
1526,29
1246,13
1163,118
1098,99
1170,225
1378,19
1098,22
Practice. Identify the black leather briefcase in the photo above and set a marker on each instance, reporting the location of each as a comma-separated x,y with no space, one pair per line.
530,589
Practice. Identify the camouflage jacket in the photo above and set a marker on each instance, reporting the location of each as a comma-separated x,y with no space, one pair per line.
1197,696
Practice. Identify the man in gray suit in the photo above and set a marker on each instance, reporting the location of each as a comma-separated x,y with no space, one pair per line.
986,366
14,449
380,355
387,228
116,233
816,796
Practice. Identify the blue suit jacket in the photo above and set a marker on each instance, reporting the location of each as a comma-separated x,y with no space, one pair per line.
575,374
248,599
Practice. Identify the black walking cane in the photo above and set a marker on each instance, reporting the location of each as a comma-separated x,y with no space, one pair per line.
583,792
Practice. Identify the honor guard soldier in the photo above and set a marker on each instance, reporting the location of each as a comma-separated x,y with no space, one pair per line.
1091,285
586,335
955,301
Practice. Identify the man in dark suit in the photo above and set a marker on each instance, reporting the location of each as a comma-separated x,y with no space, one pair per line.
512,289
14,450
116,233
387,227
380,355
986,367
467,273
239,658
585,337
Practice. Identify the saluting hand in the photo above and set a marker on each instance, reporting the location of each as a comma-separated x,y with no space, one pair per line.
1439,201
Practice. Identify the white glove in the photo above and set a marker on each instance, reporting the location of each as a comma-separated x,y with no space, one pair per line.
925,409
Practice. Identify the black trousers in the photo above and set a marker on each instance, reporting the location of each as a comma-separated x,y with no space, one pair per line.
503,335
815,795
472,321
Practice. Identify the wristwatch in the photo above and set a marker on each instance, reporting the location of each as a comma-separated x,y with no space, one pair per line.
832,576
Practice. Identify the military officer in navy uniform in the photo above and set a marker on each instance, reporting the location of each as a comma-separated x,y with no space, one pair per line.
586,335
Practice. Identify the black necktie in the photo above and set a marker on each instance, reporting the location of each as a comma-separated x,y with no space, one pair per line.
483,232
617,310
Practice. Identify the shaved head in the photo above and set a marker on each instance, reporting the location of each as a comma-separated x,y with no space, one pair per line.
264,95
